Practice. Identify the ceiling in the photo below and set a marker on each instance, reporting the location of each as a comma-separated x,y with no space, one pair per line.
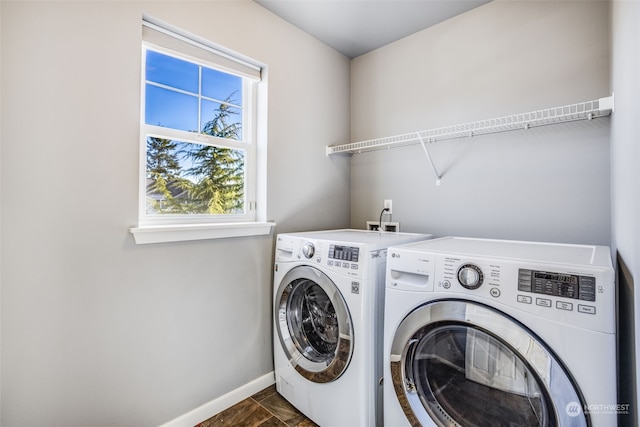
355,27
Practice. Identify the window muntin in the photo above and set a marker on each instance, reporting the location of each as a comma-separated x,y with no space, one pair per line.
198,141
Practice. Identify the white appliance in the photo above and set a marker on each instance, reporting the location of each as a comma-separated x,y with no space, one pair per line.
328,307
500,333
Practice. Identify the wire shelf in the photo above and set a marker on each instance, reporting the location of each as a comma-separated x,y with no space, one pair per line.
567,113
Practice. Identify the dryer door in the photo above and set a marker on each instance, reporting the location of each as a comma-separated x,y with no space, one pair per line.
458,363
313,324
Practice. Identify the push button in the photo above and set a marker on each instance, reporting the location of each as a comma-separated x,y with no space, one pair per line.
564,305
543,302
525,299
588,309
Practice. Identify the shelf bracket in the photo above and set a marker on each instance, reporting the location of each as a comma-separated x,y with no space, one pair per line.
426,151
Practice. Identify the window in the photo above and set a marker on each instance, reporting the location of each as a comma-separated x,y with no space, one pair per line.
199,136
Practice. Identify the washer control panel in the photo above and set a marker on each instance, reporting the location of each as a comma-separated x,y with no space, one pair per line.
344,253
346,259
343,258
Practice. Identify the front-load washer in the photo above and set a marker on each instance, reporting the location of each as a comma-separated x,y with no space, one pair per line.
328,308
499,333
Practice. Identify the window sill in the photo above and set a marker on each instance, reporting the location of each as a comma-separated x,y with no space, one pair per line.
186,232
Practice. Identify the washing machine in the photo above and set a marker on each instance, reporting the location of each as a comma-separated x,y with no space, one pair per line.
328,308
499,333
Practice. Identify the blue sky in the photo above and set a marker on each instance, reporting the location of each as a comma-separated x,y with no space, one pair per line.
178,109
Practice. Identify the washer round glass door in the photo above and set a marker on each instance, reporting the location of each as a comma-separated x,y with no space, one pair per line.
458,363
313,324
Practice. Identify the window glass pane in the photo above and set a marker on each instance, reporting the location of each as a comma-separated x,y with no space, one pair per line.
221,86
171,71
188,178
171,109
221,120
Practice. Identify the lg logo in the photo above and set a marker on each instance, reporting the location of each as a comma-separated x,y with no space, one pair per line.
573,409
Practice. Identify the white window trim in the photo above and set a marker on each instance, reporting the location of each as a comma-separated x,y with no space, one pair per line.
185,232
252,223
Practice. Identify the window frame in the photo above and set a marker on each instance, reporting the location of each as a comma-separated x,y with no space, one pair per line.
169,227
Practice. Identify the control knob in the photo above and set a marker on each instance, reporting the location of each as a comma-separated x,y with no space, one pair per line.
470,276
308,250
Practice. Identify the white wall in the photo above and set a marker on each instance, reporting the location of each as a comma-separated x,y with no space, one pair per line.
625,152
0,220
96,330
549,184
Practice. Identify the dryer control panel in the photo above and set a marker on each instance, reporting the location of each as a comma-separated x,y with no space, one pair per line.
580,294
557,284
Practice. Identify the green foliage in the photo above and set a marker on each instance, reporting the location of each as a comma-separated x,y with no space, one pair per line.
164,183
221,186
186,178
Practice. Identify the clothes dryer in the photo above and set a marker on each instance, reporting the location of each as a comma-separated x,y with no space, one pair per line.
499,333
328,308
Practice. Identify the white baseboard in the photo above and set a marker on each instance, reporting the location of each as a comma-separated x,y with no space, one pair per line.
223,402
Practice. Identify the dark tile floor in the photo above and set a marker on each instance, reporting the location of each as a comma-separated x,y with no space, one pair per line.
264,409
